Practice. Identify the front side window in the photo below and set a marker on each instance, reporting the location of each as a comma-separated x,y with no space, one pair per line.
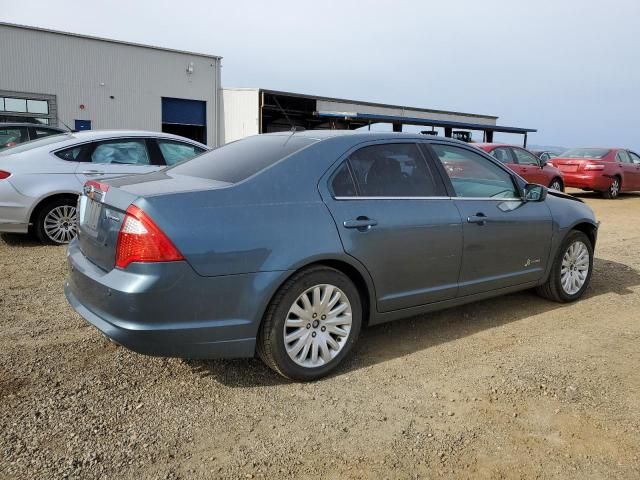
125,152
175,152
623,156
474,176
525,158
392,170
502,154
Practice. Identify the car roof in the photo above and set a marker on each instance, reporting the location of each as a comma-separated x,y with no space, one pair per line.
365,135
26,124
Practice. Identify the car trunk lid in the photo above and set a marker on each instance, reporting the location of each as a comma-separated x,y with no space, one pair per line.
102,207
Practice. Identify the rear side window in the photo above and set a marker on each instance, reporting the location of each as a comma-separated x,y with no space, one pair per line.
175,152
124,152
502,154
12,136
239,160
70,154
342,182
392,170
623,156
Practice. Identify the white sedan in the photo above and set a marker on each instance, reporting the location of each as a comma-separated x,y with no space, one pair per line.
40,180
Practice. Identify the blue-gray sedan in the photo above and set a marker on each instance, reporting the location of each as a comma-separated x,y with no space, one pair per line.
288,244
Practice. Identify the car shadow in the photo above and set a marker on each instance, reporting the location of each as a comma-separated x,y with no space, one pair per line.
19,240
388,341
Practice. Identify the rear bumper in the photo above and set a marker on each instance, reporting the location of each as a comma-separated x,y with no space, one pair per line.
166,309
593,181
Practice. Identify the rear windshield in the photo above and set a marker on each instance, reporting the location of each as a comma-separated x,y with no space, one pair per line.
50,140
239,160
586,153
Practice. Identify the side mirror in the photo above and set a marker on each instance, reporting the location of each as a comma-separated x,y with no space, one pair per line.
534,192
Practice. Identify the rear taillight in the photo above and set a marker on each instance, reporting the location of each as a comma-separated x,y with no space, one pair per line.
594,166
140,240
4,174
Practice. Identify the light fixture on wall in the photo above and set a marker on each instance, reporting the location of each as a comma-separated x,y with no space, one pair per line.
190,68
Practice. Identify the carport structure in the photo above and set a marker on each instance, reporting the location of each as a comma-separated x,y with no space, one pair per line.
248,111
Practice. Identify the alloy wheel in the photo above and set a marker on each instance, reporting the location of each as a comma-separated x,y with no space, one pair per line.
575,267
556,185
317,326
614,189
60,224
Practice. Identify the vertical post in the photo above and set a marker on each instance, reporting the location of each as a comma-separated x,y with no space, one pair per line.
525,139
397,127
484,136
489,136
448,131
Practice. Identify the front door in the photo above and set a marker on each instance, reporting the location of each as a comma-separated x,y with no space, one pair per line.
629,171
506,240
393,215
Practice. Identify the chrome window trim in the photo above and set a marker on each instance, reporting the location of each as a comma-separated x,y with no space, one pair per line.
505,199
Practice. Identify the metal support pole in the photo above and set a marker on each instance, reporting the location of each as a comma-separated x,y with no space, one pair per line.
397,127
448,131
525,139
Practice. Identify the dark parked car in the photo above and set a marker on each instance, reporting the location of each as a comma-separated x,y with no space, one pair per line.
288,244
14,133
605,170
526,164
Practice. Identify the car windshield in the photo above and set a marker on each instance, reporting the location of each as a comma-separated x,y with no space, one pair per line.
586,153
239,160
50,140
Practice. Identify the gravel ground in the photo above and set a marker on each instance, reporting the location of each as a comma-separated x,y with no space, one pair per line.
514,387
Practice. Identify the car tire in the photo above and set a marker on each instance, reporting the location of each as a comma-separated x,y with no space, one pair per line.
613,191
317,341
557,184
568,280
55,222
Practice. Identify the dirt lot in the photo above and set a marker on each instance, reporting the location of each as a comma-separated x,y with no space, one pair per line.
514,387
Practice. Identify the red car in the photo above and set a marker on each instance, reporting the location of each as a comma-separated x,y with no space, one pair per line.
605,170
526,164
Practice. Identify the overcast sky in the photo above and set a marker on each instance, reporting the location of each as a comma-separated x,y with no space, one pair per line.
569,68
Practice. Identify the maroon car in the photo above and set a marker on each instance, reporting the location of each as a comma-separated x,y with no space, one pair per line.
526,164
605,170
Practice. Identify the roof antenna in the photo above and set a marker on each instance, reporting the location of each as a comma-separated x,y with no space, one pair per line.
67,126
294,128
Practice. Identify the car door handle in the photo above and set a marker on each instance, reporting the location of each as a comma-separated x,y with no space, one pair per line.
92,172
479,218
361,223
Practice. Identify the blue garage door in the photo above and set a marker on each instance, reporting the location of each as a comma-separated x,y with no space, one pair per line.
184,112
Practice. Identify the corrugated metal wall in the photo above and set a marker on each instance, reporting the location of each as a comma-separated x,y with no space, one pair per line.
241,113
85,71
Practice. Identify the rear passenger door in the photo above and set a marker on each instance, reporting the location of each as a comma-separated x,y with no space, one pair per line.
116,157
629,180
635,160
529,167
393,215
506,240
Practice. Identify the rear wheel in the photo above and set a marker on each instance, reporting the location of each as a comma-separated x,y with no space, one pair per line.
571,270
614,189
311,325
556,184
55,222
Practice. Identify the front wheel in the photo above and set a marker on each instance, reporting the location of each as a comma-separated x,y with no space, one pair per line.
614,189
571,270
311,325
55,223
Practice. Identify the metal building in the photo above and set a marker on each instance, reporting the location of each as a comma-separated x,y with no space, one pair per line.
248,111
94,83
